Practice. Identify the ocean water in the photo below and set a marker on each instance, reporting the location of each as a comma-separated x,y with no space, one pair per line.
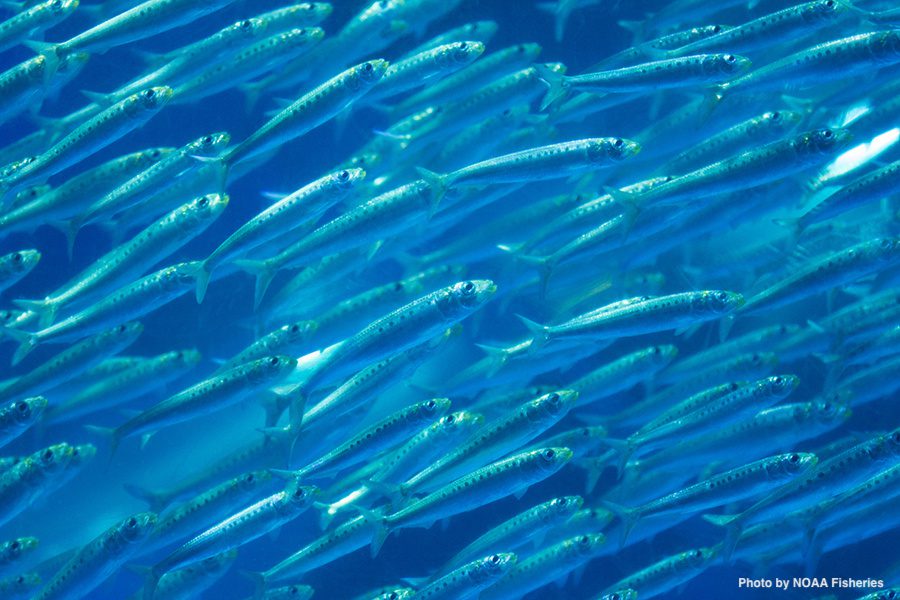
743,252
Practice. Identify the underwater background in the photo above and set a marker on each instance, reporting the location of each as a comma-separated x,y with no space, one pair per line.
743,252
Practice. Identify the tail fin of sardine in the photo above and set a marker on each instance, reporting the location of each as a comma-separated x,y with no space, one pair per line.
438,182
380,532
542,264
45,310
498,357
540,333
151,582
627,516
733,530
636,29
51,52
560,16
155,500
114,435
263,273
203,275
556,82
27,342
259,583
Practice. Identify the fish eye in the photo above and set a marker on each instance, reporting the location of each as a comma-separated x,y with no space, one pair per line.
17,257
829,3
657,350
203,202
47,455
449,419
495,559
778,380
368,67
22,407
273,361
14,545
462,46
548,454
896,437
468,287
206,140
886,244
553,398
619,143
584,540
148,94
729,58
721,296
775,116
131,523
698,554
794,458
344,175
430,404
295,328
717,28
299,493
245,24
520,49
827,134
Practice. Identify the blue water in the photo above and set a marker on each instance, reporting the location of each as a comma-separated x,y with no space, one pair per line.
223,324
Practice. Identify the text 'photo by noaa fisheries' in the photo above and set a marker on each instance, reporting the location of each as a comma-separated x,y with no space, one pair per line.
449,299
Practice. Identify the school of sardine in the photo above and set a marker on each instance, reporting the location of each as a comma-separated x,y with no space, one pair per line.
385,300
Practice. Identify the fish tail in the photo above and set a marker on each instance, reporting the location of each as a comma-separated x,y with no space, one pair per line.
795,225
540,333
259,582
155,500
203,275
498,357
114,435
380,531
636,29
556,82
627,516
326,515
438,182
733,530
45,310
27,342
151,581
263,273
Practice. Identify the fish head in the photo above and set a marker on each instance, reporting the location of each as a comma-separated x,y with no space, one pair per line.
54,458
34,68
313,10
209,145
83,453
885,46
346,179
586,545
364,160
553,405
270,368
21,261
245,29
492,567
464,297
190,357
252,481
201,211
300,497
789,466
893,442
298,331
136,528
824,10
147,101
662,355
885,249
58,8
12,168
779,386
820,142
459,53
759,360
27,410
601,150
831,411
31,194
528,52
367,74
781,120
429,410
625,594
72,64
562,507
730,65
462,421
10,316
15,548
716,302
553,459
180,276
124,333
151,156
698,558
